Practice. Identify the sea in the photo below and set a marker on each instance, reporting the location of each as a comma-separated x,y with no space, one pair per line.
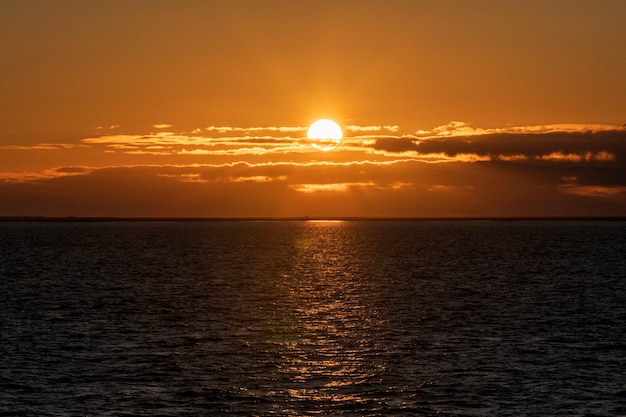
313,318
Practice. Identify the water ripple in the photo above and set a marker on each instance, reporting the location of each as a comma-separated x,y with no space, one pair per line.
305,318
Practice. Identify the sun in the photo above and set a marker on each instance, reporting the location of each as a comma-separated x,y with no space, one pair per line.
324,134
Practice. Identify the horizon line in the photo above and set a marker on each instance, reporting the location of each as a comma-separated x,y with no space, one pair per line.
303,218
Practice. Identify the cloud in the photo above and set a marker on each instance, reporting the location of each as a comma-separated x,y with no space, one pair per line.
229,129
345,186
350,188
41,147
219,140
259,178
168,143
593,190
73,170
193,177
392,144
457,128
447,188
43,176
577,157
355,128
255,150
198,177
452,170
607,145
588,144
214,141
332,187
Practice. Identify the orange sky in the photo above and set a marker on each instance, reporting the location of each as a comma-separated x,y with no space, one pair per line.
200,108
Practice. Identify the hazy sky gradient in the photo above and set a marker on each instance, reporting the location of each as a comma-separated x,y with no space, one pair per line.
200,108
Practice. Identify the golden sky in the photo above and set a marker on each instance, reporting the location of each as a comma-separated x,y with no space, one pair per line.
201,108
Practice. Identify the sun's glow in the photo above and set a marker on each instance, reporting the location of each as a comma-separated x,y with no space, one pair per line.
325,135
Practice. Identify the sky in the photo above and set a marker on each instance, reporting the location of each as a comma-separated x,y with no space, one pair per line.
200,108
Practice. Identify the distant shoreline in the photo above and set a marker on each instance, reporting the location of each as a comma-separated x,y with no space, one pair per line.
79,219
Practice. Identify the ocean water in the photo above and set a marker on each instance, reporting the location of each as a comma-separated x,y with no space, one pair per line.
356,318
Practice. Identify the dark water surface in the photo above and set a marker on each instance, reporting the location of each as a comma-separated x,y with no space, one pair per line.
468,318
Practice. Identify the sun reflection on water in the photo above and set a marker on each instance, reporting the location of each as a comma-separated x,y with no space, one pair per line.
334,357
